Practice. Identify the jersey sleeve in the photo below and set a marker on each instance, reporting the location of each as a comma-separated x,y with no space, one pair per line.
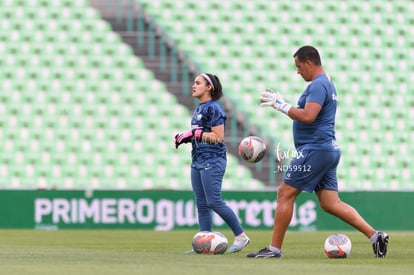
217,115
316,93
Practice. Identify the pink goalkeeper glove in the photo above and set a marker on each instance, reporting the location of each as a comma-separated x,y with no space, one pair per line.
186,136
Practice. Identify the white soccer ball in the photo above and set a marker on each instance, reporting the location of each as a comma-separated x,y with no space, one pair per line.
218,243
209,242
338,246
252,149
200,243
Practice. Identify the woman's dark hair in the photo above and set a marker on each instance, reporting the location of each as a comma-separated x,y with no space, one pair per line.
217,91
308,53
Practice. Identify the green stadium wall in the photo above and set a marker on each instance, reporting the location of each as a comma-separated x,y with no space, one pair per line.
173,209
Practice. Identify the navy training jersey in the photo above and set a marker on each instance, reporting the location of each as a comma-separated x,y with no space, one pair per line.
207,115
321,133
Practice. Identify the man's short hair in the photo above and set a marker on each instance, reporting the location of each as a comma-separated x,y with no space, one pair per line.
308,53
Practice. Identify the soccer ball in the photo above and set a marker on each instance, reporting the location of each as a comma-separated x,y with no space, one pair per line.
218,243
252,149
338,246
200,243
209,242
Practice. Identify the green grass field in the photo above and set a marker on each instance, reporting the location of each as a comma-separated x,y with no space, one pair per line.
85,252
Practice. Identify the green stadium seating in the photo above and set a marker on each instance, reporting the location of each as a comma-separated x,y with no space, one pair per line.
364,47
74,101
78,108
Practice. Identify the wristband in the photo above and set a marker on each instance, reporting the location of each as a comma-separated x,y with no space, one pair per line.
285,108
198,133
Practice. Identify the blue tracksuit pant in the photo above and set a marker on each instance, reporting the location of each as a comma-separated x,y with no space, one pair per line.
206,180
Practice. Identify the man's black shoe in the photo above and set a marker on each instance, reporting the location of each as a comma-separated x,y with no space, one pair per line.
380,246
265,253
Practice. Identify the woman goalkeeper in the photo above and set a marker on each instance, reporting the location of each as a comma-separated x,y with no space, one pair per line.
209,158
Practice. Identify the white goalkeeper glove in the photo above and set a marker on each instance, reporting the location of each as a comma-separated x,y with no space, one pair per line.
269,98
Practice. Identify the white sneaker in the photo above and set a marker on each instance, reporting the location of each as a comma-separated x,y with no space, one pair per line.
239,243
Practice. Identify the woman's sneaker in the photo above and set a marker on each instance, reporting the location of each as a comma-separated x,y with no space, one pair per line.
240,242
